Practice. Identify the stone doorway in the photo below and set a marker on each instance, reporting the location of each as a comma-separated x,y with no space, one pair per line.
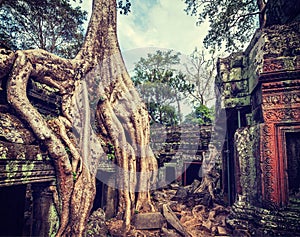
293,163
288,150
170,174
12,204
192,171
99,197
106,192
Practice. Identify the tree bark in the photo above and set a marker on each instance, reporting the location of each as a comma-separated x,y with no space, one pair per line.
262,12
96,73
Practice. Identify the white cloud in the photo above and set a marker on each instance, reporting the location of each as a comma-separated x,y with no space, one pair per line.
163,25
157,23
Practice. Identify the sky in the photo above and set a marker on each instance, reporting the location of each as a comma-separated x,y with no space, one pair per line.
156,24
159,23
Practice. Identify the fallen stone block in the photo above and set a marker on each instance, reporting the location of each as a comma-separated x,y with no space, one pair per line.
147,221
173,220
222,230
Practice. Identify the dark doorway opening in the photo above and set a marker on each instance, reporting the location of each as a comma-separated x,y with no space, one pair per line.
192,172
106,193
12,203
293,163
98,201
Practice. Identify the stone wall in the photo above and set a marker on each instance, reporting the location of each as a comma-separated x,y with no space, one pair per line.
26,171
185,142
260,92
247,150
177,148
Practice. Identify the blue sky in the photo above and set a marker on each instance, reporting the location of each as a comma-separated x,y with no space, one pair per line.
157,24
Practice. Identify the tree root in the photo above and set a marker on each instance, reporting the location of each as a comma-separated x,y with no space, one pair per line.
122,117
60,124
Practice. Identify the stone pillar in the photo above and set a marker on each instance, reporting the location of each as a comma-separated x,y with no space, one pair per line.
247,174
45,220
110,197
162,176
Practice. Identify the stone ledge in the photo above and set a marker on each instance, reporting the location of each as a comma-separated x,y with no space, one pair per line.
16,151
13,172
262,222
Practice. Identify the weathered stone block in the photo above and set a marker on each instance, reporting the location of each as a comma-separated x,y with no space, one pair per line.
144,221
237,61
13,130
237,102
235,74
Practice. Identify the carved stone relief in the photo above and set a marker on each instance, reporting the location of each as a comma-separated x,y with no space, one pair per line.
246,145
281,109
268,163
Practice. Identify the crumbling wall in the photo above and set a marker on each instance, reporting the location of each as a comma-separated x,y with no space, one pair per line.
247,144
185,142
177,148
25,163
259,117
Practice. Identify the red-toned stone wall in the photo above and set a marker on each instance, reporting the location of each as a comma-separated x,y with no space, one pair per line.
269,69
281,114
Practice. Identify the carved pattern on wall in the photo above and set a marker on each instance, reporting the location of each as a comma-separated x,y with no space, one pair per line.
281,99
280,107
282,114
272,65
267,143
280,64
246,143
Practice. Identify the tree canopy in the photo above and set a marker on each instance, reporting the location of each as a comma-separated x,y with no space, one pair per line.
52,25
232,22
161,85
201,114
200,71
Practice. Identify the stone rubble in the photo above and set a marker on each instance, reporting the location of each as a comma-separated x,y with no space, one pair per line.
180,213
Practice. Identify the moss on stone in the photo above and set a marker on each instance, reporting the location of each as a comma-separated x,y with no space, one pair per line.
39,156
3,151
237,102
53,221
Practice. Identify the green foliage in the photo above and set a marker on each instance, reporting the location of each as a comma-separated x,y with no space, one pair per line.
164,114
161,85
67,149
52,25
201,115
110,151
110,156
124,6
74,176
101,99
231,21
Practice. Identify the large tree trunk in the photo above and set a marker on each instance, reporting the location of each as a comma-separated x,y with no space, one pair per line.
94,85
262,12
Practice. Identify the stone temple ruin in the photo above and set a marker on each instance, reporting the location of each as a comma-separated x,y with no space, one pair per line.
27,174
260,159
260,92
180,151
